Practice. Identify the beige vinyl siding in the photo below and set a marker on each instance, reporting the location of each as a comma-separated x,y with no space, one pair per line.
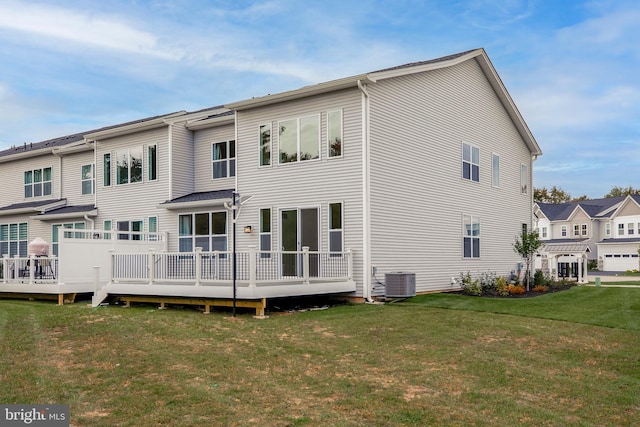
203,139
418,195
305,184
182,158
72,178
135,201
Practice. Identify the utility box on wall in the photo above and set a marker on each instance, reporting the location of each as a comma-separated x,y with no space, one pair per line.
400,284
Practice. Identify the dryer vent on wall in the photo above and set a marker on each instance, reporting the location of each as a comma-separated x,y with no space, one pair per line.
400,284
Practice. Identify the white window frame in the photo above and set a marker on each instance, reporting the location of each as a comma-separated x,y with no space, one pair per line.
20,245
607,229
265,160
495,170
544,232
341,136
106,228
265,234
106,170
128,233
563,231
576,230
333,231
193,237
584,229
42,183
228,161
91,180
298,121
152,163
621,229
468,222
55,237
129,157
524,179
630,229
470,161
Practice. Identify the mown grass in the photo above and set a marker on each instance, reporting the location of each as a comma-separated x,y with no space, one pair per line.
434,360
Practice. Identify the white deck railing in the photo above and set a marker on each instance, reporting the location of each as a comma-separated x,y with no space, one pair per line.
32,269
253,267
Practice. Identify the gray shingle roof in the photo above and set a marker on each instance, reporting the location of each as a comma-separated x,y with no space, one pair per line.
561,211
430,61
201,196
27,205
70,210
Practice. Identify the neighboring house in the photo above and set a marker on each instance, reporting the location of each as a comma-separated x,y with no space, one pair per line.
603,230
422,168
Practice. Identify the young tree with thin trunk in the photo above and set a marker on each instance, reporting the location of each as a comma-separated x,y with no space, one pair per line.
527,244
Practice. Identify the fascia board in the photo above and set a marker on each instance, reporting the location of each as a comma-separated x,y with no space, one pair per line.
196,115
304,92
26,155
195,204
69,215
575,211
620,206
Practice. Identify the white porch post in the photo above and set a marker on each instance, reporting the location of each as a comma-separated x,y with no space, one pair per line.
112,271
349,264
578,259
555,265
585,269
5,267
198,258
32,268
216,264
305,264
252,266
151,271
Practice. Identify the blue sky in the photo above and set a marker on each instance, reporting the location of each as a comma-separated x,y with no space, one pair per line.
572,67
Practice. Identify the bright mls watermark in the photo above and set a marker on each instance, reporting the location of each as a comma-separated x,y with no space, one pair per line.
34,415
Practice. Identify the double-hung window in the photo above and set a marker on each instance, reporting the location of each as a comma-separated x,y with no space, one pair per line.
620,229
584,230
37,182
129,166
576,230
106,170
563,231
299,139
265,145
495,170
335,229
334,133
470,162
544,232
471,236
130,230
88,179
14,239
630,228
265,233
223,156
206,230
524,179
56,234
607,229
152,162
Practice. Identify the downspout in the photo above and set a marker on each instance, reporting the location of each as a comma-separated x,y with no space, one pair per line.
56,154
170,154
93,224
366,208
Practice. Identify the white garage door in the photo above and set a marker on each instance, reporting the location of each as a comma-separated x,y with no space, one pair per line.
620,262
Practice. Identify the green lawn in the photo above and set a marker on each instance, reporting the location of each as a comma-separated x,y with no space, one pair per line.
557,359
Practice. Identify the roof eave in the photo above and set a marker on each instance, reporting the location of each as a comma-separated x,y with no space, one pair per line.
195,204
210,123
132,128
332,86
69,215
32,209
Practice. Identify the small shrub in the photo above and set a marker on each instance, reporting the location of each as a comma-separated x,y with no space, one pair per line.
502,288
538,278
488,282
470,286
515,289
540,288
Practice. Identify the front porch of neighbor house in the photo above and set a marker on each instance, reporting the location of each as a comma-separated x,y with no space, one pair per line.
207,278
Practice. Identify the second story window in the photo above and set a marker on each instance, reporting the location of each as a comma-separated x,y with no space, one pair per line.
265,145
223,159
607,229
88,179
152,162
563,231
37,183
106,170
620,229
584,230
299,139
129,166
524,179
334,133
544,232
495,170
470,162
630,228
